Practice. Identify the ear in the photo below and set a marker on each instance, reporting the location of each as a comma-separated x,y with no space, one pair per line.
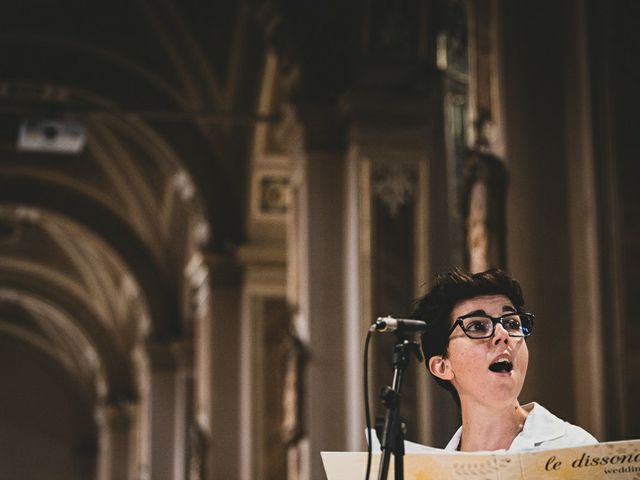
440,366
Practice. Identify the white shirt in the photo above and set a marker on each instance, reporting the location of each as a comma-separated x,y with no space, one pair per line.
542,429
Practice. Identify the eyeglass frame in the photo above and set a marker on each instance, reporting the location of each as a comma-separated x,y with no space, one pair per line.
494,321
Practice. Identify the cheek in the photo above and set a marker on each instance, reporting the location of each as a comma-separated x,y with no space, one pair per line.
466,359
523,357
465,365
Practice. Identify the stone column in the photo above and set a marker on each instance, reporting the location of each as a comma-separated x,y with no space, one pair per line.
315,283
396,144
114,448
263,324
590,368
484,191
167,397
485,85
218,371
161,412
182,351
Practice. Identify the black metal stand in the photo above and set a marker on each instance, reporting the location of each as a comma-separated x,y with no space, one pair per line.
392,440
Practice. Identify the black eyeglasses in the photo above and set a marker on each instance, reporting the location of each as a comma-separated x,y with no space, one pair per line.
483,326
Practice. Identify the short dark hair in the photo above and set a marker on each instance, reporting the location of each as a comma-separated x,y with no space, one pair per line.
450,288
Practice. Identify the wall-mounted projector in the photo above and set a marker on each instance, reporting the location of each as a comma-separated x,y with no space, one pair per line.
54,136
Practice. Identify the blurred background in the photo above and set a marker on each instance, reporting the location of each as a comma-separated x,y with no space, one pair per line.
204,205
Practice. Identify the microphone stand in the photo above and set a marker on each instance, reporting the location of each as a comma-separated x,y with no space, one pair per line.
392,440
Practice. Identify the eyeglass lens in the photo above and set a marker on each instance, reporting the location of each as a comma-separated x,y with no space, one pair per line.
516,325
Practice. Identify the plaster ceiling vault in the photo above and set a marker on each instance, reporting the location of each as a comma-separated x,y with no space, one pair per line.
94,246
104,253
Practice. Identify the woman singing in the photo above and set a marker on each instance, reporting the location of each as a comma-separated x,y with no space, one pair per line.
475,347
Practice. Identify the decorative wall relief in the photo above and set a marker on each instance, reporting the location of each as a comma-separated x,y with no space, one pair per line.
271,195
452,54
292,426
483,210
394,185
275,354
274,194
394,225
394,28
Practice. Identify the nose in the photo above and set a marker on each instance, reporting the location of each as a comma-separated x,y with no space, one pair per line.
500,334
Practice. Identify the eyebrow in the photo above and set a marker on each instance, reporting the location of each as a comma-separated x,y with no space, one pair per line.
505,308
475,312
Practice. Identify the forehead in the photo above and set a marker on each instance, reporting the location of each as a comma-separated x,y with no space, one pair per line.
492,305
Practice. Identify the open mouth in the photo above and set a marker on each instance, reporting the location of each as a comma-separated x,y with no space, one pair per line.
501,366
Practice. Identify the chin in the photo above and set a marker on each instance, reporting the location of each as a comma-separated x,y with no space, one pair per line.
506,393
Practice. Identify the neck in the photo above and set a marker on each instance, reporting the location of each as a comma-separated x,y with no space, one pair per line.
489,427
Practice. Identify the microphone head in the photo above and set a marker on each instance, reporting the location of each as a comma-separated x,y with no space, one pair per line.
386,324
399,325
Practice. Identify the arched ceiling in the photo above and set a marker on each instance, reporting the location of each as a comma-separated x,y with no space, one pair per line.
67,293
94,244
165,89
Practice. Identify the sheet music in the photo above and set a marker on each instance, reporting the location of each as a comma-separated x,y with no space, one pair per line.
603,461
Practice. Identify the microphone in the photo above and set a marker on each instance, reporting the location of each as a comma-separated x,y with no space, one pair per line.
400,325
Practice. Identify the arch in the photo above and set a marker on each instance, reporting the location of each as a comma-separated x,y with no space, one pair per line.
103,224
56,333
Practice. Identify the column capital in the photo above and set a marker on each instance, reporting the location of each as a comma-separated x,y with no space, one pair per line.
183,351
160,355
390,124
170,354
224,269
313,127
115,415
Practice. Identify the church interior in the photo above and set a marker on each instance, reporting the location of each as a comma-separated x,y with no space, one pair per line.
205,205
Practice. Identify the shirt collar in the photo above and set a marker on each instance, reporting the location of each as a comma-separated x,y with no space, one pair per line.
540,426
455,441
